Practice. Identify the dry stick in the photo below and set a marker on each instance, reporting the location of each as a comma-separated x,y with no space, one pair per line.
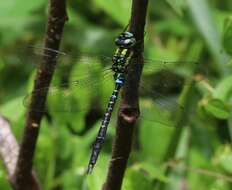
9,149
129,106
56,20
8,146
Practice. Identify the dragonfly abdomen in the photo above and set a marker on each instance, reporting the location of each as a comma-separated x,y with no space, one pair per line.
124,42
103,129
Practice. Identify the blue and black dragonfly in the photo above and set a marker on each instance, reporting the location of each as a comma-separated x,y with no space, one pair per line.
116,73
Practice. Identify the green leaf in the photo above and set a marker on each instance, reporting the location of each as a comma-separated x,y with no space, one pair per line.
227,35
137,179
151,126
16,16
199,159
224,158
218,109
16,13
13,109
202,17
173,25
95,180
118,10
4,184
153,171
177,5
224,89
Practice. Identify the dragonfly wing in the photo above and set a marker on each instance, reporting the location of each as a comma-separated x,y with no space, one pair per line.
160,89
64,60
182,68
158,108
74,96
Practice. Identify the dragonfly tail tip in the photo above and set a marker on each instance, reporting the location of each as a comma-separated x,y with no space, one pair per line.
90,169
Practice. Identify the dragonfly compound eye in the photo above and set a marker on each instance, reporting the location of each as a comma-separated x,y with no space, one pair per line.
125,40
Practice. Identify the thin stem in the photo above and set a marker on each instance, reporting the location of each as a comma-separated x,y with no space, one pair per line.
129,106
181,120
56,19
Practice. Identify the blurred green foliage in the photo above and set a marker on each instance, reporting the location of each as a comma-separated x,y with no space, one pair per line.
176,30
227,35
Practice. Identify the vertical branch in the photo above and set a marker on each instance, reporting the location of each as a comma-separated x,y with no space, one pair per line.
129,107
56,20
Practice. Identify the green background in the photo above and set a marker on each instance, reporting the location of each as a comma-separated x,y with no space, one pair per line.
176,30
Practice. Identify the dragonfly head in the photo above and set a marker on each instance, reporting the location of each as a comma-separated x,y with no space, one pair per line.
125,40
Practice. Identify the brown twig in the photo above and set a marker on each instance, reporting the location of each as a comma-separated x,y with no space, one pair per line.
9,149
56,20
8,146
129,107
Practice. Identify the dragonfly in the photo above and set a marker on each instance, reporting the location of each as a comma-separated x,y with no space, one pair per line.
121,60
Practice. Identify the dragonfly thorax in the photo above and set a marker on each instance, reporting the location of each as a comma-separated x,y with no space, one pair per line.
120,60
125,42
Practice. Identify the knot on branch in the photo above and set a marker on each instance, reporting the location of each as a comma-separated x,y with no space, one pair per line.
128,114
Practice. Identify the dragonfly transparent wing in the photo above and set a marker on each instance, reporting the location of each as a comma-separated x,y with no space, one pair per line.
180,67
161,88
158,108
32,56
74,96
163,79
65,61
86,73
